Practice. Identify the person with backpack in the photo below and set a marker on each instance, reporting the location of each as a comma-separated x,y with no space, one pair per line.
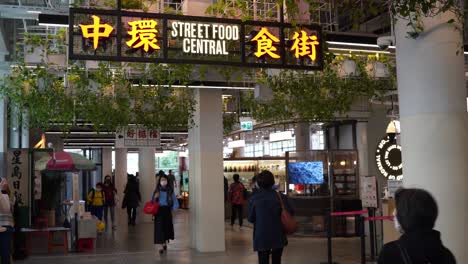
96,201
415,213
163,224
237,193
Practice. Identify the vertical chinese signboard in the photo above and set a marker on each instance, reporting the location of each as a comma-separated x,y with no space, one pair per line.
18,175
118,35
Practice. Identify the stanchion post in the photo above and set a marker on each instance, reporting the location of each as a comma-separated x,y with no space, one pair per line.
372,234
362,232
329,239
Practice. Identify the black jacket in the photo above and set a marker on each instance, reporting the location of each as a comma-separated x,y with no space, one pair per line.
422,247
132,194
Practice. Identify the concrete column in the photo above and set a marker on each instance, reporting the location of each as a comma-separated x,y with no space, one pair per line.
24,130
106,162
206,173
120,170
14,127
4,69
147,170
302,133
432,95
362,148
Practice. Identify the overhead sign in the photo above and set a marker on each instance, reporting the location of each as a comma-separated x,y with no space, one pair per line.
388,158
138,137
246,125
236,144
117,35
281,136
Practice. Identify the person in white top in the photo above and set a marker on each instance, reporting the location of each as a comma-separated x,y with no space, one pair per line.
6,222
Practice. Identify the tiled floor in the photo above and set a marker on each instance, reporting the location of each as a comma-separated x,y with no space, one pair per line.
134,245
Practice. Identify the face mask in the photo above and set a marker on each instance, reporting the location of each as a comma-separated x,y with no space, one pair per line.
98,189
163,183
396,224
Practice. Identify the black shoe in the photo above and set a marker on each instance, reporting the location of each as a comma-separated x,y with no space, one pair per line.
165,248
161,251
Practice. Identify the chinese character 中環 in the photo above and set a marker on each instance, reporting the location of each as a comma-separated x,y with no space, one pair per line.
144,34
265,41
96,30
142,134
305,45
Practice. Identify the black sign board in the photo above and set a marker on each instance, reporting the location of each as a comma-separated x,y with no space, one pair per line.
118,35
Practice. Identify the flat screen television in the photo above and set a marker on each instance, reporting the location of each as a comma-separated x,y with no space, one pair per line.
305,172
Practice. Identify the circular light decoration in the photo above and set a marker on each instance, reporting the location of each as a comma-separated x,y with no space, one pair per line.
388,158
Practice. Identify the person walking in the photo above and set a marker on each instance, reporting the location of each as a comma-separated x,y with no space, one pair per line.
226,189
109,207
96,201
264,211
237,200
132,199
163,223
6,222
415,216
172,179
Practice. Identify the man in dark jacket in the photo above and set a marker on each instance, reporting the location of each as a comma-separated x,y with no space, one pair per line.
132,199
264,212
416,214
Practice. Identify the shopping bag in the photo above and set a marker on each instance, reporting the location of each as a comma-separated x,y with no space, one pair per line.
151,208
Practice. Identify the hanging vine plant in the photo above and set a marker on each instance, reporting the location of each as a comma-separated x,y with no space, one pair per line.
318,96
107,99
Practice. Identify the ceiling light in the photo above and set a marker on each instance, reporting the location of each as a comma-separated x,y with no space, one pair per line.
53,20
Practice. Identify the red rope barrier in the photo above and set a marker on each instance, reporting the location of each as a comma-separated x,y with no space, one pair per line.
378,218
349,213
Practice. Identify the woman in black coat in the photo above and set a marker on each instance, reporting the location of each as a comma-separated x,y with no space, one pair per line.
416,213
132,199
163,224
265,213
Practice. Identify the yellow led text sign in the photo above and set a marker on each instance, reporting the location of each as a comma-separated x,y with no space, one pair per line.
96,31
208,39
144,34
121,35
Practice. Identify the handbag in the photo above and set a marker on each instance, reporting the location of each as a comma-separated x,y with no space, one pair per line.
151,208
287,220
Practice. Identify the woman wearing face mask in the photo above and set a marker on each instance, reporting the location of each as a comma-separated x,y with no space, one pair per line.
415,216
109,191
163,224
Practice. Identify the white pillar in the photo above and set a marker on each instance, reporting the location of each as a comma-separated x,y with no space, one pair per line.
362,148
4,69
106,162
14,125
120,170
432,95
24,130
206,173
147,170
302,133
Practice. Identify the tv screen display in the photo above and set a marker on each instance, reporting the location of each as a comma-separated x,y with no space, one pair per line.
305,172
